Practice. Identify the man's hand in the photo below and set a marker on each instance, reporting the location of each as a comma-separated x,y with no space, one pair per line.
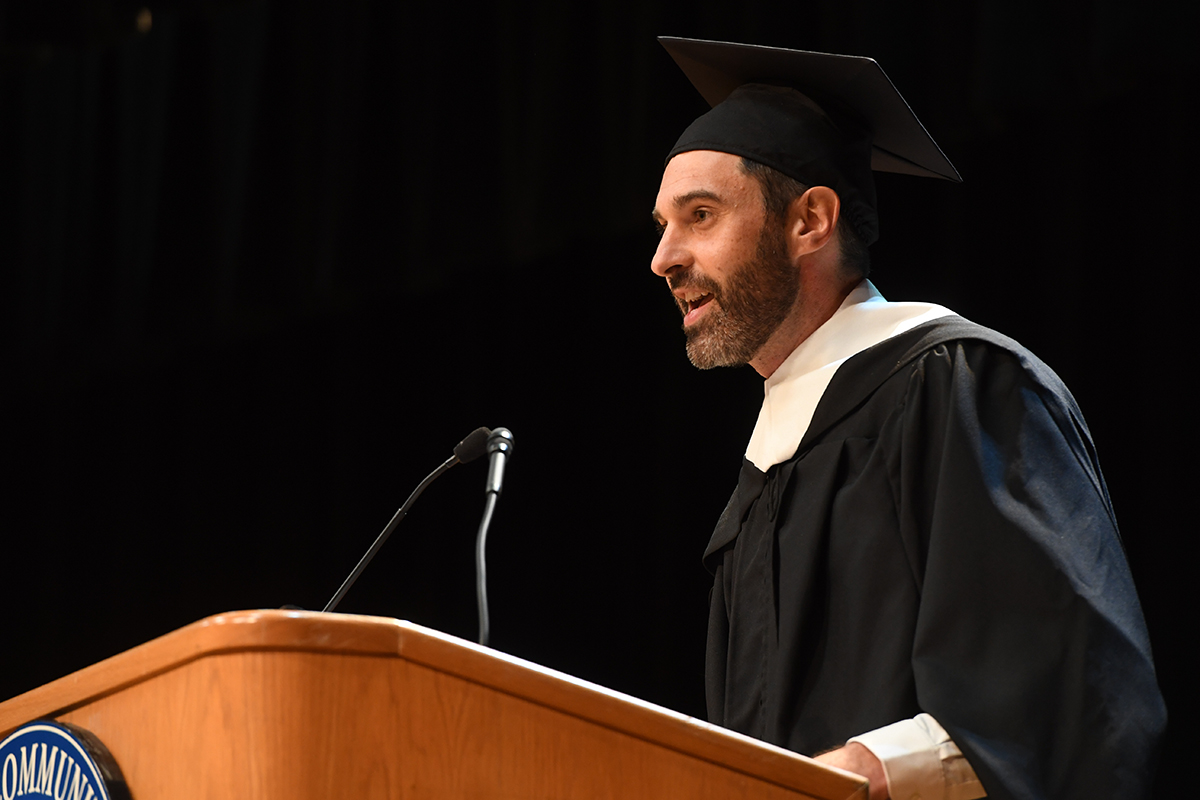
858,759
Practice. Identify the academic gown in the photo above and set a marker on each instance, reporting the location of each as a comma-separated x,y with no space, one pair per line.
943,542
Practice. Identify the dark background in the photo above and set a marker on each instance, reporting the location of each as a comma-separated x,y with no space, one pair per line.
266,262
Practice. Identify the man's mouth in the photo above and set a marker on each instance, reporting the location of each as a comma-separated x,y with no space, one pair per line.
692,303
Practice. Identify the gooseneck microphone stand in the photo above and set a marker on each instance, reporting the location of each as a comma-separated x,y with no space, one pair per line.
469,449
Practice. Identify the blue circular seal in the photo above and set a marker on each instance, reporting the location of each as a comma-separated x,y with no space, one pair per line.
60,761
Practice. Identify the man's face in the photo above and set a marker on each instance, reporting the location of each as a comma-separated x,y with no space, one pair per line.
724,258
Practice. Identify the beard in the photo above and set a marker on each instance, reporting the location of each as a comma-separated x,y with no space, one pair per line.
748,309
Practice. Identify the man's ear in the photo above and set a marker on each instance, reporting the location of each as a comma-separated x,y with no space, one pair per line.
812,218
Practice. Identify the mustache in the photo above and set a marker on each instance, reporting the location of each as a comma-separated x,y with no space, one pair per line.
690,279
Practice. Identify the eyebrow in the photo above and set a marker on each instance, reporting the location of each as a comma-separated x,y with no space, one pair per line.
700,194
679,201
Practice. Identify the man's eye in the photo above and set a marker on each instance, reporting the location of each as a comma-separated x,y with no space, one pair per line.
700,214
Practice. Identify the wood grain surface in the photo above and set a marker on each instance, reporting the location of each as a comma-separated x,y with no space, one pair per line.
269,704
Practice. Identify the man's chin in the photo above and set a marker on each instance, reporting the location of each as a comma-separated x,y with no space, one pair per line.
707,349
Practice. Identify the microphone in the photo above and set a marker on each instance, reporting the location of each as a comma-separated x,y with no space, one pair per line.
499,446
475,444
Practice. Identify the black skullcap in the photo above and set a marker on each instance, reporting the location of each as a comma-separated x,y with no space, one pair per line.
823,119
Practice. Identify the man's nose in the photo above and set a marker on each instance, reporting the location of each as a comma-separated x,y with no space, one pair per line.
671,254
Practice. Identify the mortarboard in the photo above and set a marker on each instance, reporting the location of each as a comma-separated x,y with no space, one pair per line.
820,118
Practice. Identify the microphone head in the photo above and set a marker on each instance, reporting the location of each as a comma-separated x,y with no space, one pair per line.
473,446
501,440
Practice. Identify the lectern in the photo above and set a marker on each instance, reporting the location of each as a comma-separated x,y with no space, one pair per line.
300,705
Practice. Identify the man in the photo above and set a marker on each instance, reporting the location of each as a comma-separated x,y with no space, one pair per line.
919,575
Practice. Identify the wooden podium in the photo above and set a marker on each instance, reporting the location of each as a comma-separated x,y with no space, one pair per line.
298,705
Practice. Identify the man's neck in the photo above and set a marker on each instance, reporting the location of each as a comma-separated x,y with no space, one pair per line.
814,306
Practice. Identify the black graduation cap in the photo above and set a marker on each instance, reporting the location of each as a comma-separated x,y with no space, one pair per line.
838,118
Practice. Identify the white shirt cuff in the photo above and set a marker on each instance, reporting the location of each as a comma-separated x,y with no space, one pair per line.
921,762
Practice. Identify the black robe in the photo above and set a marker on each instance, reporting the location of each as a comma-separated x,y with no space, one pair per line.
942,541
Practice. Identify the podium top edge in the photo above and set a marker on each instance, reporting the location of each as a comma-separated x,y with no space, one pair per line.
282,631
